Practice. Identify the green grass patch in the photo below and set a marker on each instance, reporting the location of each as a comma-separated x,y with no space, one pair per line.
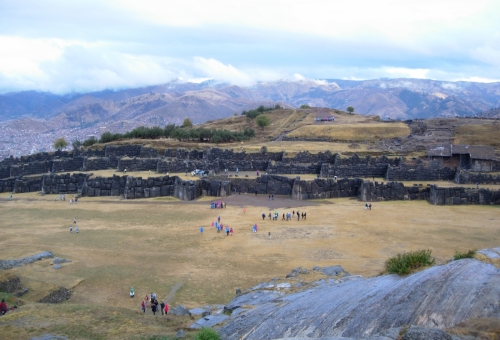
207,334
403,264
468,255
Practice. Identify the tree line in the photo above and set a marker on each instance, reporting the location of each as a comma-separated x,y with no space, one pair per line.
172,131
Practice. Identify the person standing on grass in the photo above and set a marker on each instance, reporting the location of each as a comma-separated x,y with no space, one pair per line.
74,220
231,231
153,307
263,216
70,230
77,230
305,216
370,206
3,307
143,306
166,308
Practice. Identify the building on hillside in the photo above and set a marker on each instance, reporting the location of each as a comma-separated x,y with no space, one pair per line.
471,157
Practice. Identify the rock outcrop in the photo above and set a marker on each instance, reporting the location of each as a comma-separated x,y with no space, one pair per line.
355,307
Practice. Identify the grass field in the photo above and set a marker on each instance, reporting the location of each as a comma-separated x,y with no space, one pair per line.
155,245
484,134
353,132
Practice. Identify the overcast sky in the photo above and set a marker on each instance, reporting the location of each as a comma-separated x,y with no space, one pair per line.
67,46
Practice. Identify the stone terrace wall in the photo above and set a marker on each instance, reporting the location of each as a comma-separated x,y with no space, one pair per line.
63,184
7,185
464,177
457,196
176,165
96,163
326,188
242,165
294,168
148,153
306,157
123,150
267,184
31,168
403,173
391,191
29,184
138,164
68,164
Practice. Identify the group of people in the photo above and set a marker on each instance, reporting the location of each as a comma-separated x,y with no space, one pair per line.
154,305
220,227
286,216
76,227
368,206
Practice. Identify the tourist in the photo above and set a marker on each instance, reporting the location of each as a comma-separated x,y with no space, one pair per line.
10,197
202,230
269,215
227,231
269,198
370,206
231,231
74,220
269,234
162,306
143,306
77,230
263,216
305,216
244,209
366,206
272,197
3,307
132,292
224,205
237,170
283,217
153,307
166,308
218,219
298,215
70,230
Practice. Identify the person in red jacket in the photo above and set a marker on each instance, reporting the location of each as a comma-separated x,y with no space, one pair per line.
166,308
3,307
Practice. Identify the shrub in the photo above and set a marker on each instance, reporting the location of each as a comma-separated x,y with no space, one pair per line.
468,255
207,334
405,263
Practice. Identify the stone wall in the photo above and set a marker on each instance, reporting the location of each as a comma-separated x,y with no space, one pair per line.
96,163
242,165
165,166
458,195
7,185
404,173
31,168
465,177
391,191
63,183
137,164
267,184
325,188
68,164
27,184
306,157
5,171
123,150
294,168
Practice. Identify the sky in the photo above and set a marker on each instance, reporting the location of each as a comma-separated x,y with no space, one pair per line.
87,45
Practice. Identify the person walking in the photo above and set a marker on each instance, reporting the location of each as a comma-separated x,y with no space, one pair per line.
143,306
153,308
298,215
166,308
263,216
370,206
231,231
305,216
70,230
74,220
269,215
283,217
77,230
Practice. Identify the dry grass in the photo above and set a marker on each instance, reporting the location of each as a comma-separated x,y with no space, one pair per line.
153,245
481,134
353,132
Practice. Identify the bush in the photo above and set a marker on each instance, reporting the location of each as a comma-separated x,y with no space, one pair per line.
468,255
405,263
207,334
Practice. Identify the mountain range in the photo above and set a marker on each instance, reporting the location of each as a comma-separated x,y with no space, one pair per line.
77,115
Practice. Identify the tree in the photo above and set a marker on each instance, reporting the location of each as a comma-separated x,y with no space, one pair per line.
187,123
60,144
263,120
305,106
76,144
350,109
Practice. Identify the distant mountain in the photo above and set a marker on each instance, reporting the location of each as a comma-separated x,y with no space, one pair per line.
83,114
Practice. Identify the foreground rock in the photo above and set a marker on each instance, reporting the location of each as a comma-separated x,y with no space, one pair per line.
60,295
8,264
439,297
